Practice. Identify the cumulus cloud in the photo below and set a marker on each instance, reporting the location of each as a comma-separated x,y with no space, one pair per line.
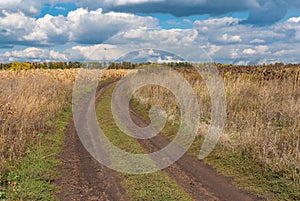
95,26
28,7
162,37
261,12
228,30
249,51
246,44
13,26
33,54
138,39
81,26
100,52
255,44
225,40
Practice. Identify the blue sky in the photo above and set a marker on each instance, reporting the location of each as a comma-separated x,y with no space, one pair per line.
231,31
56,9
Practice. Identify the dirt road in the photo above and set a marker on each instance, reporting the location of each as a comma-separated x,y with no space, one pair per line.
83,178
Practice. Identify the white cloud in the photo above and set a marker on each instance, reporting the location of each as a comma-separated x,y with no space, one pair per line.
257,41
95,52
213,49
81,25
136,40
234,53
60,8
260,12
29,7
249,51
96,26
124,2
262,49
231,39
224,39
33,54
168,59
162,37
294,19
13,26
217,22
149,52
50,30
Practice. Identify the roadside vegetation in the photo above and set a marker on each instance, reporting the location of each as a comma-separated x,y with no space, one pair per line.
35,108
260,142
30,135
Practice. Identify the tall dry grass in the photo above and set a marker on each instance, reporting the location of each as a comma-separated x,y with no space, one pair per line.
28,100
263,119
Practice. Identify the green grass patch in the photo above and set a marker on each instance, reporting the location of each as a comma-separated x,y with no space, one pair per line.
250,175
32,178
155,186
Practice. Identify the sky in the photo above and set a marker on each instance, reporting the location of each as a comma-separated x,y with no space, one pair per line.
223,31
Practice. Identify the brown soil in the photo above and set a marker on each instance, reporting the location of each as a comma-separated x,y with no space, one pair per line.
83,178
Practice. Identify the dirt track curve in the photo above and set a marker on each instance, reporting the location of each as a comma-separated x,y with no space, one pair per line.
84,179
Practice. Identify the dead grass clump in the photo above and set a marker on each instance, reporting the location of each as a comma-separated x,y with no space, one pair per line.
28,99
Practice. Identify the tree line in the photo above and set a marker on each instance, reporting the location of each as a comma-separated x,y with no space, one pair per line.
117,65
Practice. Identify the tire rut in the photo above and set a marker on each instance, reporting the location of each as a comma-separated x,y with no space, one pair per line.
198,179
82,177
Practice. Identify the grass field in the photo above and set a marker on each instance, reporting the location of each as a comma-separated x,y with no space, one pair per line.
260,142
30,102
260,145
32,131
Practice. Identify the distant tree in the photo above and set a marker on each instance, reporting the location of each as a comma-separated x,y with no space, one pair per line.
279,64
20,66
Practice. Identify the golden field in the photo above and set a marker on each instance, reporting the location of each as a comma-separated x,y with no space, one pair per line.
28,100
263,114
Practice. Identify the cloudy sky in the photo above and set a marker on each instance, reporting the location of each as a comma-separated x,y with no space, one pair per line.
226,31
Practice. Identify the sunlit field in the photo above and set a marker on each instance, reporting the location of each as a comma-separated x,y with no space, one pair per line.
262,127
263,120
30,101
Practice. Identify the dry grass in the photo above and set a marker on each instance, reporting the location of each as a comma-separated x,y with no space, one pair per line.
263,120
30,98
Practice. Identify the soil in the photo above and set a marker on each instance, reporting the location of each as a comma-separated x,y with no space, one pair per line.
83,178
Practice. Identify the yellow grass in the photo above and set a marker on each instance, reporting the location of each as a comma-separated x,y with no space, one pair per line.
30,98
263,120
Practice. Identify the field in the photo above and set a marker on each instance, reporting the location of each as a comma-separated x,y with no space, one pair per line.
30,102
259,147
262,132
